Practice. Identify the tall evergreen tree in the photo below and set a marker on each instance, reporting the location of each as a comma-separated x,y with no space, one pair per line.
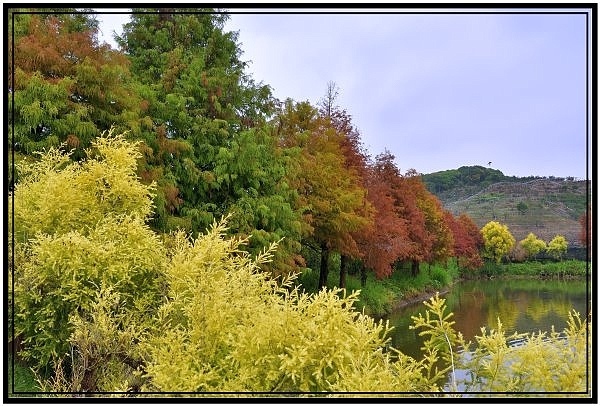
211,150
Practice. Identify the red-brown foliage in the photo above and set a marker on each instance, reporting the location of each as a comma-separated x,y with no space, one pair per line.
384,241
585,232
56,53
468,240
417,242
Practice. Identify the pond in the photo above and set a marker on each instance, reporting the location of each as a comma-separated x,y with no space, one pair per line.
522,305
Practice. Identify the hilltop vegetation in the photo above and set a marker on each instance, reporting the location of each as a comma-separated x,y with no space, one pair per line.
546,206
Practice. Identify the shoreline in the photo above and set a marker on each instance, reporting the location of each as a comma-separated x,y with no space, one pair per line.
412,299
423,296
419,298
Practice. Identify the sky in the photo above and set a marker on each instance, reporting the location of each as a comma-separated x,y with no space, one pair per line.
439,91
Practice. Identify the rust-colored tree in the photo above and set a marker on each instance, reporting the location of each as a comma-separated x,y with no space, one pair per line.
332,201
418,242
585,232
382,243
67,86
467,240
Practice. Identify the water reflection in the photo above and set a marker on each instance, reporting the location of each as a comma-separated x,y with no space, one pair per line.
522,305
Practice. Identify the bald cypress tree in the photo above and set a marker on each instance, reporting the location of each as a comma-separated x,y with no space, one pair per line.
211,151
64,86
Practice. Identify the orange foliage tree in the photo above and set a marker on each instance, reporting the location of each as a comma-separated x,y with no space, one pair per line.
585,232
332,201
421,241
387,238
437,230
467,240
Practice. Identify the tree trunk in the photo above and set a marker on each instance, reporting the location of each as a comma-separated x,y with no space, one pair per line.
343,270
324,269
415,268
363,275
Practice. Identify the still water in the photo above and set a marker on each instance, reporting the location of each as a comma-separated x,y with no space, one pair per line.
522,305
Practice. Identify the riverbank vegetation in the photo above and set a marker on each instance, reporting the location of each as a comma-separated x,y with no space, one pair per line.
188,248
380,296
538,269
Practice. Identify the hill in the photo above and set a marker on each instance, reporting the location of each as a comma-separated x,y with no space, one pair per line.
544,206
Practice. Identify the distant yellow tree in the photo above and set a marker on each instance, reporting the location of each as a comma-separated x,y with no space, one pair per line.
558,247
532,245
497,240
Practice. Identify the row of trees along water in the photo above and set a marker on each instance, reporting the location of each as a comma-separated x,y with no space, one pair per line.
215,143
95,287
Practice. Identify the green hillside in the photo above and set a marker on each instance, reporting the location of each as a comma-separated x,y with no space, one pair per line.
544,206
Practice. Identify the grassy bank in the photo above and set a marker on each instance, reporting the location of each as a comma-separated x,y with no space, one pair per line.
537,269
380,297
24,379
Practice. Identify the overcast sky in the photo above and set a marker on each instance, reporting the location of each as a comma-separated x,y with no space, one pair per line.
437,90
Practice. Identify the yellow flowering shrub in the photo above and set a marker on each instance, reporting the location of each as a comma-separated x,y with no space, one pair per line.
497,240
55,195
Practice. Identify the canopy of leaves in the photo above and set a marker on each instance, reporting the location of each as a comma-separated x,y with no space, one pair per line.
335,205
557,247
467,239
497,239
211,151
385,241
532,245
404,196
67,87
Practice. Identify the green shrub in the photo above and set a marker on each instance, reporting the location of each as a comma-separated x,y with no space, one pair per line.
439,275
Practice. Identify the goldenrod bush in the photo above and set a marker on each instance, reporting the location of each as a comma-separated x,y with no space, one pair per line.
55,195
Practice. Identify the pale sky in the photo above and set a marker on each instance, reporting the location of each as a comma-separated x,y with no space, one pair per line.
437,90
